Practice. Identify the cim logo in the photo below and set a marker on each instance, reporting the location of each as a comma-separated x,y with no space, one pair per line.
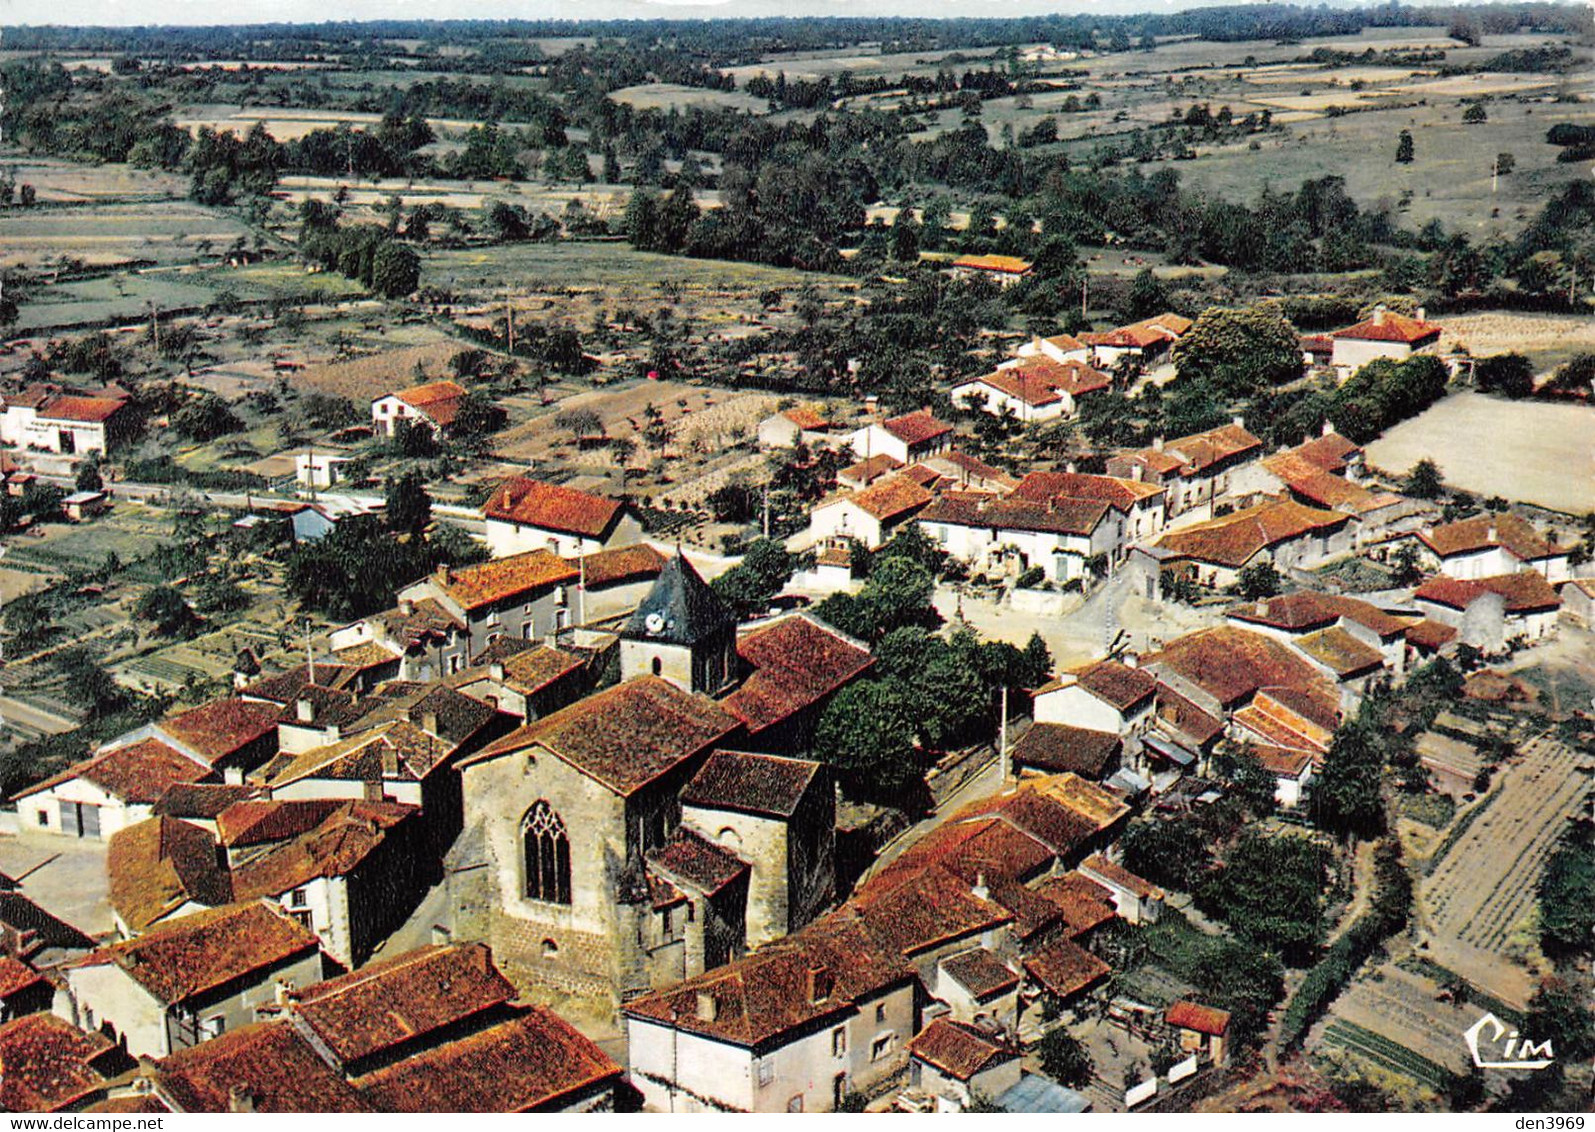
1517,1053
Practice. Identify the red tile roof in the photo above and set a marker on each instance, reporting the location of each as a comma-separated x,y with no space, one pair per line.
217,729
47,1064
198,953
552,508
957,1050
257,821
621,564
1431,635
1099,868
625,736
980,972
1176,713
1066,969
692,860
868,471
911,912
1084,903
265,1065
1041,381
767,785
201,800
1234,539
1233,664
1196,453
16,976
1483,532
976,509
505,580
335,848
1057,747
1282,761
1000,264
80,410
395,1001
890,498
1188,1015
918,427
438,400
796,662
1306,610
1340,652
1122,494
137,773
159,865
1388,326
1524,592
807,417
535,1062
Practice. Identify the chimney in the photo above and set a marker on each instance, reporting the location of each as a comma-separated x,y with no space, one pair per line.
1130,659
1137,472
1072,467
1262,609
820,983
239,1099
1421,315
1490,536
1328,429
406,606
980,889
444,575
1157,444
390,762
1239,422
286,993
708,1008
305,711
496,670
1379,316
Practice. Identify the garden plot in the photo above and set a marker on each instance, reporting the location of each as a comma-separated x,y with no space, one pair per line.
67,181
1479,895
1453,763
172,232
1396,1019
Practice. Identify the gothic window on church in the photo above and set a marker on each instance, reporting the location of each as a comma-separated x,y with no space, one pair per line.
546,848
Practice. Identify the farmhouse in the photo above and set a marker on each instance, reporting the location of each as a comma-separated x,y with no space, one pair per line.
1060,348
1140,505
1148,342
1489,545
56,420
1306,614
434,405
906,439
801,424
1487,613
1032,389
524,514
1385,334
1283,533
526,596
1199,471
111,790
1058,536
1104,696
1004,270
871,515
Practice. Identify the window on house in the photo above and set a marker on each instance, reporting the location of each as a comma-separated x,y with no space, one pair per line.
880,1047
298,898
88,1018
838,1041
213,1027
546,848
302,918
880,1012
44,817
669,917
766,1072
795,1104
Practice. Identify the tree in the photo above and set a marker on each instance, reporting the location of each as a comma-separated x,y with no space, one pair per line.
1236,353
896,594
580,423
1253,782
1269,892
1064,1058
1557,1014
1423,481
409,507
165,608
1567,894
88,476
1171,853
865,732
206,417
764,571
476,418
1258,580
1511,375
1505,163
1346,798
1404,148
91,685
1147,296
395,270
1474,114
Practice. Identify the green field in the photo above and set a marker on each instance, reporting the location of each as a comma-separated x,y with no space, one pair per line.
1386,1054
588,266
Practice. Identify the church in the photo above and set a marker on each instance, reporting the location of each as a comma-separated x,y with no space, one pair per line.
631,839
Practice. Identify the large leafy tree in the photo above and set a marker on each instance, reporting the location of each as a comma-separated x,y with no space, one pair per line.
765,569
1269,892
1064,1058
1238,352
1345,797
866,733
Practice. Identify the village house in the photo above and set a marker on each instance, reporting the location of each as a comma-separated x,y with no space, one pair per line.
162,869
1140,505
789,669
871,515
1147,342
319,471
1490,613
797,1026
807,425
566,811
1292,771
967,473
1004,270
53,419
1280,532
1103,696
527,596
256,1067
1578,601
434,405
1136,900
1012,535
523,679
1327,472
525,514
1385,334
979,987
1032,389
1313,621
192,979
24,989
1488,546
907,439
1202,1030
425,638
1054,748
33,935
613,582
779,815
52,1066
862,473
1198,471
112,789
1062,348
957,1064
232,736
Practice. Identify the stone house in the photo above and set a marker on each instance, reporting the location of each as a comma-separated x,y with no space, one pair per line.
1488,546
1280,532
1136,900
527,596
1487,613
190,980
958,1063
907,439
1014,535
162,869
524,680
613,582
525,514
1139,505
979,987
1198,471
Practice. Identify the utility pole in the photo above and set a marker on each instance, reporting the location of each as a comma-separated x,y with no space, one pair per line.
509,318
1002,738
310,657
1085,289
766,525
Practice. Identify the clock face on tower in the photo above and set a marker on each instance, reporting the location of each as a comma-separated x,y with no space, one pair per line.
654,623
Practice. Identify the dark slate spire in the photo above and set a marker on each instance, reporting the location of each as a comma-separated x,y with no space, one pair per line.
681,609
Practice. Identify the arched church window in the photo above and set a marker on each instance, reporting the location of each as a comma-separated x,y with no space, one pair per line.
546,849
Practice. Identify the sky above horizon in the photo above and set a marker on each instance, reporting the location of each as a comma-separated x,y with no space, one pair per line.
207,12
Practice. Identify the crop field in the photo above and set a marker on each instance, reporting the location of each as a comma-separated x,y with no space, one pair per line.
1529,451
1374,1046
114,232
602,200
364,379
58,181
584,266
1545,339
1396,1018
666,96
1475,900
288,124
